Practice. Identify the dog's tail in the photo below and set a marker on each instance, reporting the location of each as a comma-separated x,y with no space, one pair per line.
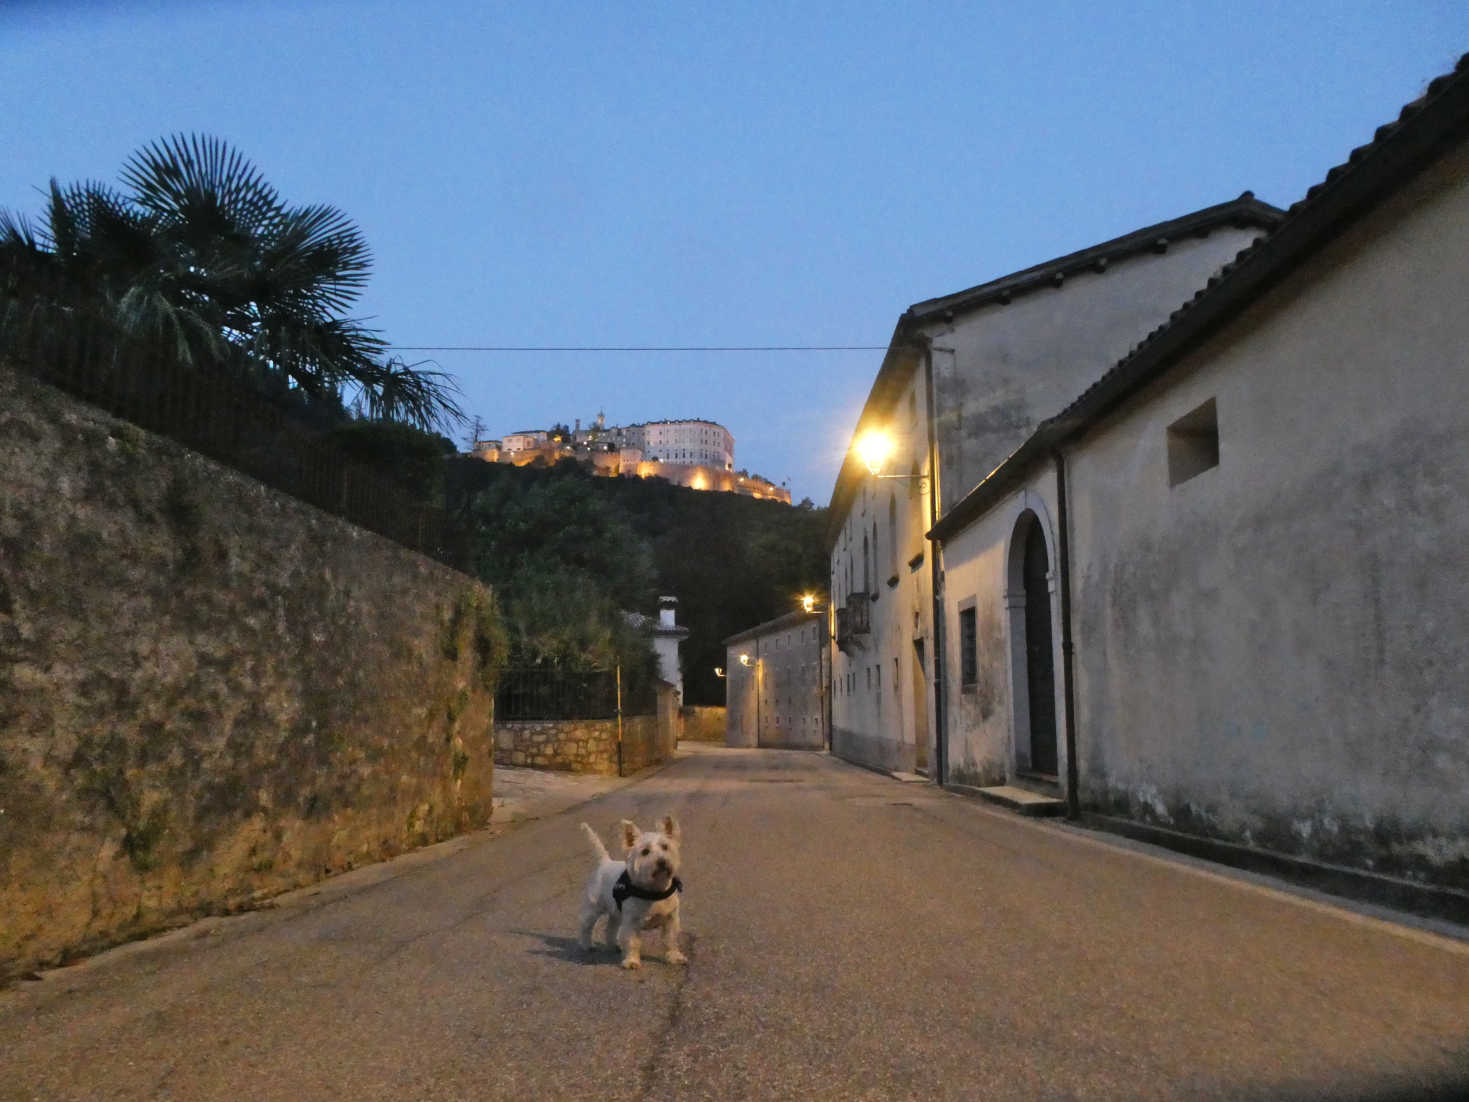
597,847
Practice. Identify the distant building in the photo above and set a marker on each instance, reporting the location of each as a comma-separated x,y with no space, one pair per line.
695,453
667,636
516,442
775,685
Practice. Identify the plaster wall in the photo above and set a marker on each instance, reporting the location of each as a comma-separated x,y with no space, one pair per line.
1014,365
1273,651
988,719
778,700
881,680
998,371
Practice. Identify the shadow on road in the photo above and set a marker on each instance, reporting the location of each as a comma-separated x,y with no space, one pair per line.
568,949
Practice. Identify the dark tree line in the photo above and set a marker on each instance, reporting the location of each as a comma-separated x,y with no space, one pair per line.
569,552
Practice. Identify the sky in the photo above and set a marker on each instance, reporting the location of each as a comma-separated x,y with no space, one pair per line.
612,175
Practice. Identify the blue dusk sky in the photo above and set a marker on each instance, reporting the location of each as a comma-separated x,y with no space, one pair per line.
748,174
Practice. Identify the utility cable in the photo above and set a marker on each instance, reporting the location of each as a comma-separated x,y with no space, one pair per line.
638,348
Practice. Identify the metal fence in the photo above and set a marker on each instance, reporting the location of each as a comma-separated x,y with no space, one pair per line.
214,411
541,693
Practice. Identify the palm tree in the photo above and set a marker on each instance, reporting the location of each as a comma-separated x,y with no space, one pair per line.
198,254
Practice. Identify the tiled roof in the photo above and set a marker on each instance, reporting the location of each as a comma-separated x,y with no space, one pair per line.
1240,213
780,623
1421,132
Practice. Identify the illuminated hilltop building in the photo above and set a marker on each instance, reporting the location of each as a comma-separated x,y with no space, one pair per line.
694,453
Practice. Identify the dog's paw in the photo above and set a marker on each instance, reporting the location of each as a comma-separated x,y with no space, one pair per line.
673,956
631,962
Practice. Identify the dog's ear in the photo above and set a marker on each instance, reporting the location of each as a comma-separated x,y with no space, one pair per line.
669,826
630,834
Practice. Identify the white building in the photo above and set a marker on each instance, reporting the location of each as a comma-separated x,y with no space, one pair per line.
991,363
776,684
523,441
1254,533
667,636
687,443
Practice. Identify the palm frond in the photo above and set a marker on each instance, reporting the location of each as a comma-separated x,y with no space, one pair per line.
201,182
317,254
416,396
17,233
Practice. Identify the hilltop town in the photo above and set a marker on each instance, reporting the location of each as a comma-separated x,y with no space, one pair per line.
695,453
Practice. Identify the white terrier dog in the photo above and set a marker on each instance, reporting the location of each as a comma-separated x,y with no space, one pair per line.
636,894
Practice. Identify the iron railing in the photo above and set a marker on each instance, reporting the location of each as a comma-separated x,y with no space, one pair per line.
213,410
535,693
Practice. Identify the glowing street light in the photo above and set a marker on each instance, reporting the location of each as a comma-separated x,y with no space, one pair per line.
808,603
744,660
874,447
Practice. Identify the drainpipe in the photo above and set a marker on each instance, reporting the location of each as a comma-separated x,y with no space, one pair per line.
940,720
1068,683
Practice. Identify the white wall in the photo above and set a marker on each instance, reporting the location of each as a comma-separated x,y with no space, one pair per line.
1275,651
1011,367
779,699
876,717
1015,365
988,721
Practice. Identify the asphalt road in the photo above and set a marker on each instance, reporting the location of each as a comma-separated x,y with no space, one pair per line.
850,936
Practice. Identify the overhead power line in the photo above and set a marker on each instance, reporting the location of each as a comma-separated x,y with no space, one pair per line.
639,348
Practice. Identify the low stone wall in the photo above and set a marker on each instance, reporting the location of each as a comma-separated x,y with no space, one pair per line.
209,691
703,724
590,745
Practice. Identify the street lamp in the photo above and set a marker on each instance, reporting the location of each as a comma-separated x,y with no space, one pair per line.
719,672
744,660
874,448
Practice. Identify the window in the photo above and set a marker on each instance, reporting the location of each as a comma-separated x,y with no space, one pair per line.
893,531
968,650
1193,443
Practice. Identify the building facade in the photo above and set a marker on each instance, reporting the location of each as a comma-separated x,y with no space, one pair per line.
688,443
965,380
1254,532
776,677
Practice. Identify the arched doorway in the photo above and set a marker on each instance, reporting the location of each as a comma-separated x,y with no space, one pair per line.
1040,666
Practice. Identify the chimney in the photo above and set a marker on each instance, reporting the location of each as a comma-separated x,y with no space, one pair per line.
667,611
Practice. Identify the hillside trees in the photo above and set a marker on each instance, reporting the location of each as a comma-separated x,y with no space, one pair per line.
566,548
568,565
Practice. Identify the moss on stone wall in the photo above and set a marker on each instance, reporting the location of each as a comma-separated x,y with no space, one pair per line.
210,692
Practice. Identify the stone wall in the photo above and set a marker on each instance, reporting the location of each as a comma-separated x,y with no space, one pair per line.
703,724
209,692
590,745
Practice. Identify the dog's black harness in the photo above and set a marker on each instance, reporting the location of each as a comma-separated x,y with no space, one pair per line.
625,887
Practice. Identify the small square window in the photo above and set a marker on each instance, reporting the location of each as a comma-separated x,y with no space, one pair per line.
1193,443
